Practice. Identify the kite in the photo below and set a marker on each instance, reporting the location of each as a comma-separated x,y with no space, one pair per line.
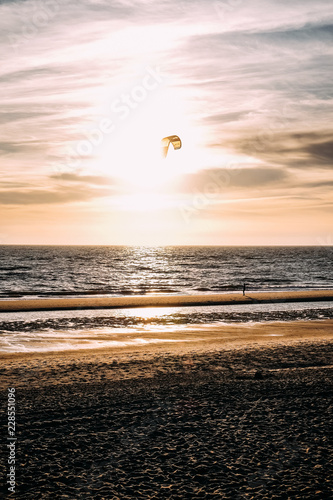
165,143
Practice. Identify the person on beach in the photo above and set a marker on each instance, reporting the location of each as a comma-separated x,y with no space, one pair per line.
244,287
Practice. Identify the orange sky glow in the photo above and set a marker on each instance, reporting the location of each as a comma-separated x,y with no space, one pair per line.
88,90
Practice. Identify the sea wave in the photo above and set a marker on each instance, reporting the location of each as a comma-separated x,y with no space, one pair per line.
81,271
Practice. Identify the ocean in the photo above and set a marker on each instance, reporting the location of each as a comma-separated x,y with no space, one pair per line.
44,271
73,271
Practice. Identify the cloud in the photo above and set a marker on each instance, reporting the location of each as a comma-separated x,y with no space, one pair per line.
18,116
20,146
57,188
226,117
11,184
253,80
320,184
50,196
23,75
322,151
226,179
294,150
83,179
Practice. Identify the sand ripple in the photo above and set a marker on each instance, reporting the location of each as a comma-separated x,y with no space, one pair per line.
247,424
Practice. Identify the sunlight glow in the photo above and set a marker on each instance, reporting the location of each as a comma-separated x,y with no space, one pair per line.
144,202
133,153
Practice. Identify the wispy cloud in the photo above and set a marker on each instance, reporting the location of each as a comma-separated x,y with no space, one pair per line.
230,181
251,80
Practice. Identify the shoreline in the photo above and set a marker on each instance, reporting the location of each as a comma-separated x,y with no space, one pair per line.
200,339
139,301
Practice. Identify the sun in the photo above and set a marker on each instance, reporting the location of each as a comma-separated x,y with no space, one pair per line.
133,153
137,159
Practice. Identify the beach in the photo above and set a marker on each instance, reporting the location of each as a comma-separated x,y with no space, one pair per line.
51,304
232,411
166,249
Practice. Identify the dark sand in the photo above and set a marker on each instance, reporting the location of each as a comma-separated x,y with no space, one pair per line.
162,300
246,420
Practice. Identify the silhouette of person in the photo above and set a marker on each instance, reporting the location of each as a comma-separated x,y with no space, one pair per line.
244,288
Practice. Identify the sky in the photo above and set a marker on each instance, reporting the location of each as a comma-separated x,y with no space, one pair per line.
90,87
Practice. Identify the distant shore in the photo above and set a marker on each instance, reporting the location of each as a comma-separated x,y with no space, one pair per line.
51,304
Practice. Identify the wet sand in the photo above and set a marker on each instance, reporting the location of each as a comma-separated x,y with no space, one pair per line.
162,300
241,415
